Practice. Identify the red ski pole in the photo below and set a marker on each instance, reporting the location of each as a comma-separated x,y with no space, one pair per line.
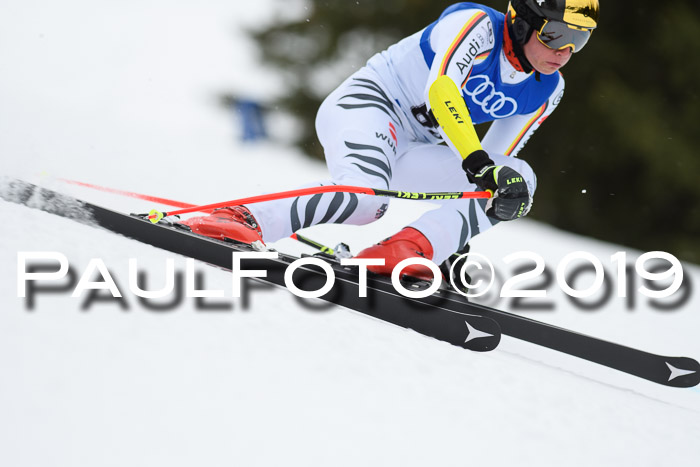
155,215
130,194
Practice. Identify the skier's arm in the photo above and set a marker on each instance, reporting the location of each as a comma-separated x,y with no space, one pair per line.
455,57
509,135
459,40
453,118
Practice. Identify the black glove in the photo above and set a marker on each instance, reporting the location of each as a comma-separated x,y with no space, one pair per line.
511,198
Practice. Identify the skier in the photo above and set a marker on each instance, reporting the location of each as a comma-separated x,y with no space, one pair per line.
379,129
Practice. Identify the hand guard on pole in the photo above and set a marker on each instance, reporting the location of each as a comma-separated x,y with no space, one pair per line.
511,197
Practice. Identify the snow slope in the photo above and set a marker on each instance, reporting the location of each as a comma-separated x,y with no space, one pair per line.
123,95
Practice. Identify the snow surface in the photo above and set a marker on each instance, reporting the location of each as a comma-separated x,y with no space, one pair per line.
123,94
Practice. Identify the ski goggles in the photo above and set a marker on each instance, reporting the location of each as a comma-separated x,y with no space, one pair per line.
558,35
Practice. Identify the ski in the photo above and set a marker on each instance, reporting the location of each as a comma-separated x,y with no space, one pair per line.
445,315
459,327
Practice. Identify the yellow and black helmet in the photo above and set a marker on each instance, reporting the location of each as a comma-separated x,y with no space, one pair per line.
557,23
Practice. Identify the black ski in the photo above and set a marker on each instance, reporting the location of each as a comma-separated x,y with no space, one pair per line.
459,326
444,315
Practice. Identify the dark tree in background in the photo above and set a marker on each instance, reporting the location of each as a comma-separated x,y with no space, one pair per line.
619,159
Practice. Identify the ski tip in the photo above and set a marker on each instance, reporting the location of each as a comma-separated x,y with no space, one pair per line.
482,334
155,216
683,372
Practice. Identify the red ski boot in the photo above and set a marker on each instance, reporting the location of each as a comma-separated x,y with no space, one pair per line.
408,243
231,223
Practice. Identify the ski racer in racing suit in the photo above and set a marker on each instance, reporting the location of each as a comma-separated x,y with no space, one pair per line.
383,128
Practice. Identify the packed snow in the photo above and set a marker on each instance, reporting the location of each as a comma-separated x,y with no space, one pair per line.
124,95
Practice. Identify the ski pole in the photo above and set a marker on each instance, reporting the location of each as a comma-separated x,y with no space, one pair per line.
130,194
155,215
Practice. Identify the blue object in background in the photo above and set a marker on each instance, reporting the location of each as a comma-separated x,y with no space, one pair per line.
252,119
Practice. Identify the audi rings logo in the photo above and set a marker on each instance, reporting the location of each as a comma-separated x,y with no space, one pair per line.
494,103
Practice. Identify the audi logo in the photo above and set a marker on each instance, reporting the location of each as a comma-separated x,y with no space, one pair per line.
494,103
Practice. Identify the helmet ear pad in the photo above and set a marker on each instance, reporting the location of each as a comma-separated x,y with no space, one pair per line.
521,30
